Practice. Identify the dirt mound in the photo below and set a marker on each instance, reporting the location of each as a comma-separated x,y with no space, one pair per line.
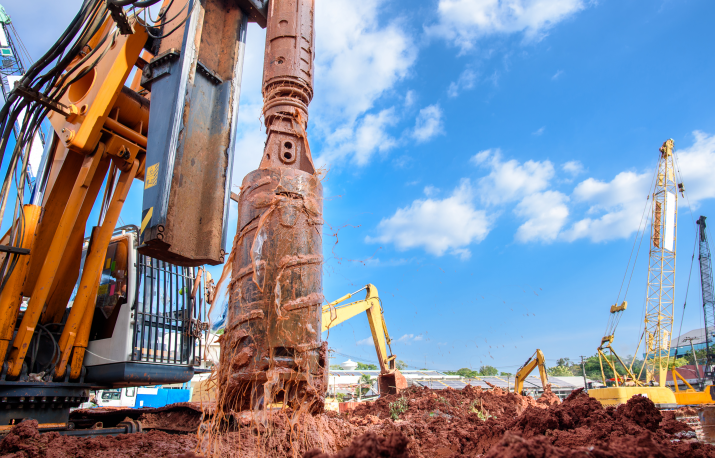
450,423
685,412
418,422
25,441
548,397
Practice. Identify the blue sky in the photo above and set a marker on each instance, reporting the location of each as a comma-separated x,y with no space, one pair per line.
488,163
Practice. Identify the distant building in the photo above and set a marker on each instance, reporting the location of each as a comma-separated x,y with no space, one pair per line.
683,346
345,382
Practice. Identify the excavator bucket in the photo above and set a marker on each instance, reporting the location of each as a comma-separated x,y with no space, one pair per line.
391,383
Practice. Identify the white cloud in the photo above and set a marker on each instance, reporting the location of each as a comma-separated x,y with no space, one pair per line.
511,180
250,140
405,338
618,204
557,75
428,124
367,341
358,59
539,131
409,338
573,168
466,81
465,21
430,190
361,140
697,163
410,98
437,225
546,214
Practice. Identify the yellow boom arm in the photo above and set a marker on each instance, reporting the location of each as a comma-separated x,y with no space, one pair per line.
537,359
334,314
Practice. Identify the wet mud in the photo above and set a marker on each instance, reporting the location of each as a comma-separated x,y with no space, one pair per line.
418,422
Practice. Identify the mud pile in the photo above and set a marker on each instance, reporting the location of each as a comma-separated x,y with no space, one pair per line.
473,422
24,441
418,422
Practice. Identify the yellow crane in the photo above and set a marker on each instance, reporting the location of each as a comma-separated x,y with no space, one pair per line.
390,380
660,295
537,359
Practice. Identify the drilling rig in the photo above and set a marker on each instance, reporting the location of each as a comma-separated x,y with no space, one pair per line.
130,97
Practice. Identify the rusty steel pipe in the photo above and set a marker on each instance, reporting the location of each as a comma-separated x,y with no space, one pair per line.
272,350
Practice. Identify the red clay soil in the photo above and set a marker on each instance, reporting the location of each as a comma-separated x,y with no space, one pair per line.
24,441
444,424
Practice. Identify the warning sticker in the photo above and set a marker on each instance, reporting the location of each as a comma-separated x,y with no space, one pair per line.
152,176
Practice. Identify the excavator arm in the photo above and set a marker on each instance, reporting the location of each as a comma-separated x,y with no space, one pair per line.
537,359
390,379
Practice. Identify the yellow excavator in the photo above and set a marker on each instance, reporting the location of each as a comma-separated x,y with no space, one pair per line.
390,380
537,359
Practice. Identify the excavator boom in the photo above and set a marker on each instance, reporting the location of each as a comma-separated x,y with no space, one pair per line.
390,380
537,359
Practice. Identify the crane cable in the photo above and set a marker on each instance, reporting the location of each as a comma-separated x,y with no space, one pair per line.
685,302
615,318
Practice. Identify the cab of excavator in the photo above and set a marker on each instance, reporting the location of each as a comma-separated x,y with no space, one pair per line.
148,318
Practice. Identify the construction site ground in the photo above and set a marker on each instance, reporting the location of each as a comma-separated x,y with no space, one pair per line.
418,422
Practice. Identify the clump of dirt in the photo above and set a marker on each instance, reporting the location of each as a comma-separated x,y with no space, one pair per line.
25,441
686,411
370,445
671,425
548,397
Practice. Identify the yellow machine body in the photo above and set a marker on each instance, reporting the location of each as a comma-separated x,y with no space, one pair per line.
613,396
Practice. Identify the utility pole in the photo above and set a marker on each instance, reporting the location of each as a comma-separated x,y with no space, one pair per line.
583,369
695,358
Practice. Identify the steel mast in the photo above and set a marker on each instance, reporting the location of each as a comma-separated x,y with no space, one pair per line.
12,68
660,293
706,282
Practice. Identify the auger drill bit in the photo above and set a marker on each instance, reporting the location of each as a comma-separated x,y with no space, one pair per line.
272,351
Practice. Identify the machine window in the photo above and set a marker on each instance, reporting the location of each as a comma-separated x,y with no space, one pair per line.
111,395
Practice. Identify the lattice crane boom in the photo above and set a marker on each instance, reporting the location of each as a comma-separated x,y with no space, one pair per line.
660,293
706,283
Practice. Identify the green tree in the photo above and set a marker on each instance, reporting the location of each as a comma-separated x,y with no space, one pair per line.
364,385
366,367
700,354
505,374
400,365
488,370
676,363
463,372
559,371
335,367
